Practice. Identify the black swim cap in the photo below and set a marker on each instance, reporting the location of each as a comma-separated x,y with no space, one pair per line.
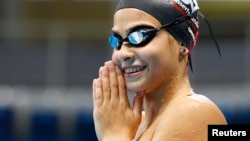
166,11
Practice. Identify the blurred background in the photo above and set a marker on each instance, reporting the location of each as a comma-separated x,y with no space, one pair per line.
51,50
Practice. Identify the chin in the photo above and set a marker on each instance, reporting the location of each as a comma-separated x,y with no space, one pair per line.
135,88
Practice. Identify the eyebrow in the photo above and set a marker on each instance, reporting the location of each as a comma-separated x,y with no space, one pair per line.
128,31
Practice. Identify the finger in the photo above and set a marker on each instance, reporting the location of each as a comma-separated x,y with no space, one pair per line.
113,80
137,104
121,85
93,89
105,83
100,74
97,92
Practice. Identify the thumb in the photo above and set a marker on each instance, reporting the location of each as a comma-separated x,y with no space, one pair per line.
137,104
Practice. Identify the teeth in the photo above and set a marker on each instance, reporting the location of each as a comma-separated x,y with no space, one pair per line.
133,70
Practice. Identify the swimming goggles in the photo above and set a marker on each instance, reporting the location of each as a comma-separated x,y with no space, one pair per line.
142,37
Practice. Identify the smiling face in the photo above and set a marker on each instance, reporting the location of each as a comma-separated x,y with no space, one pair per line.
152,65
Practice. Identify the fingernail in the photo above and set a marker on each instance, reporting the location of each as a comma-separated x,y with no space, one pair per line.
100,69
104,70
109,63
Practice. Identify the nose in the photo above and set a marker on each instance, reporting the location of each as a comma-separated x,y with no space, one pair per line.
125,54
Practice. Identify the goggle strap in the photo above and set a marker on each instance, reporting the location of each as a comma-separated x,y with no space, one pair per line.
176,21
211,32
190,63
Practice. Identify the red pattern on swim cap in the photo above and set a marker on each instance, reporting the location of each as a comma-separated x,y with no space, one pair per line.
178,8
188,7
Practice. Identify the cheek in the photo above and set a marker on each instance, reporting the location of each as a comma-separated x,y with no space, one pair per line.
158,54
160,70
162,64
114,57
162,60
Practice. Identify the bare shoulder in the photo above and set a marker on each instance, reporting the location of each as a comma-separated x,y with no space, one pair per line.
197,107
205,108
188,117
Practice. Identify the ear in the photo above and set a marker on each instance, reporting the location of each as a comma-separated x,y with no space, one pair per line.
183,51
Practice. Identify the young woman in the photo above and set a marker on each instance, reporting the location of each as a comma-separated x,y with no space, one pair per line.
152,41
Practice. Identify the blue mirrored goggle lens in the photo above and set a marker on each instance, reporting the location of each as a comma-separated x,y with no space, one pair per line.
114,41
135,38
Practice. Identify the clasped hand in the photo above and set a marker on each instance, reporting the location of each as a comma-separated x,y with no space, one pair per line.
114,118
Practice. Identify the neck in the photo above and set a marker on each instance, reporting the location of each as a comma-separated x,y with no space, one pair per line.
156,101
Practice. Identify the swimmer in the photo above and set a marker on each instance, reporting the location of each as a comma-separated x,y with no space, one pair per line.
152,42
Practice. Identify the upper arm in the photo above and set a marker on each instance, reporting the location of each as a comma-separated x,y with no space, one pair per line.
189,120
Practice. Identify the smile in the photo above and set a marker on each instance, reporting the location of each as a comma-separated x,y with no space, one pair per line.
134,69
